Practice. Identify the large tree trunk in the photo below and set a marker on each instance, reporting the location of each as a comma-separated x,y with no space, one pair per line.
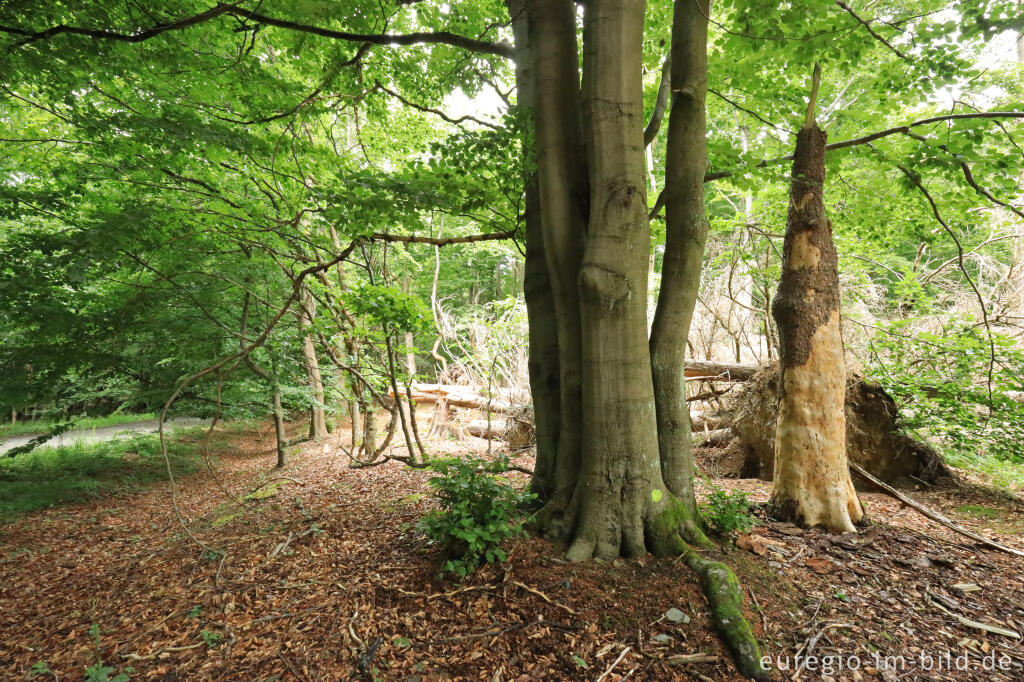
563,196
317,414
624,506
811,484
545,384
686,228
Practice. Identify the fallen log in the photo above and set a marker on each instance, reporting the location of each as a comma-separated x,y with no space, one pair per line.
718,371
874,439
935,516
457,399
482,428
716,437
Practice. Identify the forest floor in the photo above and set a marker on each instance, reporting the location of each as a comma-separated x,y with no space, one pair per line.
323,578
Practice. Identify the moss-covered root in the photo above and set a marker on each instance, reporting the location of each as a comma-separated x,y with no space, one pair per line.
723,592
674,527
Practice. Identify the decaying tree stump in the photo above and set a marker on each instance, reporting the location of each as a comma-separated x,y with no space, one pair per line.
812,484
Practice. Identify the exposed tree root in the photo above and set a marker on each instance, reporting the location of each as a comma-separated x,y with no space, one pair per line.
726,598
670,528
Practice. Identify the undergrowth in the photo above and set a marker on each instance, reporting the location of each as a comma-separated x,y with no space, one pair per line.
49,477
977,424
478,512
728,512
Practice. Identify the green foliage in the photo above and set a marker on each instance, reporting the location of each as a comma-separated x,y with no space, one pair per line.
388,305
98,672
49,477
40,668
478,512
212,639
101,673
728,512
940,380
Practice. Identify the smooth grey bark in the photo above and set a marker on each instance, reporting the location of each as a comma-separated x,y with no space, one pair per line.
562,179
545,383
686,228
624,507
317,414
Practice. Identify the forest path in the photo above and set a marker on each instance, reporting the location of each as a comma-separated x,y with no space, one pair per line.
102,433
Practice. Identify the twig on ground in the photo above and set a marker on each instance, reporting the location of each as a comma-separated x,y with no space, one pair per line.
605,674
546,598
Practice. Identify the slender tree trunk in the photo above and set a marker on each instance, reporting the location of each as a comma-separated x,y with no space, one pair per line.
277,411
540,305
317,414
563,190
812,483
351,345
366,407
279,431
686,228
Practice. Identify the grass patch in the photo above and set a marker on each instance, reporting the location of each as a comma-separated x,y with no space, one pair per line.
48,477
1001,473
43,425
981,512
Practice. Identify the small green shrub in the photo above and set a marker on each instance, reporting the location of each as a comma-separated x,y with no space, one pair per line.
478,511
212,639
101,673
728,512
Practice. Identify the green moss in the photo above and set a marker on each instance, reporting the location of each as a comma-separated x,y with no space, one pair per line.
726,600
669,530
979,511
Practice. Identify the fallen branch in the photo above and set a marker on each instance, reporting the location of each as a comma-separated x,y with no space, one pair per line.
934,515
546,598
686,659
612,666
719,371
995,629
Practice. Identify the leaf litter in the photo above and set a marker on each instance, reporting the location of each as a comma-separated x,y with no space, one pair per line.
324,578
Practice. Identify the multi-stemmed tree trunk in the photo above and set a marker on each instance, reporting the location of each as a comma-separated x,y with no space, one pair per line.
685,233
812,478
545,382
563,192
620,480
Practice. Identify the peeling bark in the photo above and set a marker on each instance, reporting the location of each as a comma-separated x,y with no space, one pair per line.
811,483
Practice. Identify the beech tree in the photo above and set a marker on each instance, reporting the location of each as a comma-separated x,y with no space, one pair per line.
614,467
